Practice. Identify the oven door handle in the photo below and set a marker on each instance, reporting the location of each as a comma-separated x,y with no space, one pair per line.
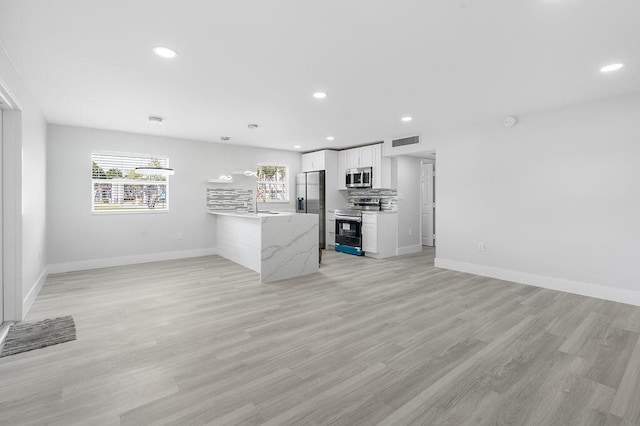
349,219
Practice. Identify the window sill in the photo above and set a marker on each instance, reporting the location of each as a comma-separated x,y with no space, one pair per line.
116,212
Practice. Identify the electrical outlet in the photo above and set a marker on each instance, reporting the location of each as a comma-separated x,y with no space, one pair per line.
480,245
180,235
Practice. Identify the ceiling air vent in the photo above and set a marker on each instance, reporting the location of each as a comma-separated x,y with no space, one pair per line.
411,140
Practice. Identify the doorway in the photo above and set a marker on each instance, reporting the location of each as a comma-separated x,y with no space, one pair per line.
428,201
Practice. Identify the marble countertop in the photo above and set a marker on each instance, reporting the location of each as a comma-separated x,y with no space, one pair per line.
250,215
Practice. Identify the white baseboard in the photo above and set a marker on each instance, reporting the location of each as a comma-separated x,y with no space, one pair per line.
409,249
83,265
569,286
33,293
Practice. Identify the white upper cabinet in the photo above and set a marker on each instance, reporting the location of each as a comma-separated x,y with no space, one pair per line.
360,157
365,156
381,168
353,158
313,161
342,168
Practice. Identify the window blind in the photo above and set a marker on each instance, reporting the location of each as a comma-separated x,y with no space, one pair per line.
117,187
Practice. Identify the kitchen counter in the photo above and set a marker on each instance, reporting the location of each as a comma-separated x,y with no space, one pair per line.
278,245
249,215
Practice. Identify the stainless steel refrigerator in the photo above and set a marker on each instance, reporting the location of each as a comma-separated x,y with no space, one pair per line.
310,194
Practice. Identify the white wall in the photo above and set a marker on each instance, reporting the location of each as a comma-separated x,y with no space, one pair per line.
78,239
408,184
556,199
30,194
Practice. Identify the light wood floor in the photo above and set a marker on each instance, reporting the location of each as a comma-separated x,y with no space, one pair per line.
362,342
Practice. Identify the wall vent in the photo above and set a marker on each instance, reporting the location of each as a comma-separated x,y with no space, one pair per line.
411,140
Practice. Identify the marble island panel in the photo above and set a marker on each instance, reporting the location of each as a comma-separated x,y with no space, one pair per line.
278,246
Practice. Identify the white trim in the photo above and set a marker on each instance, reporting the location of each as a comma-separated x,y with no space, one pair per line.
83,265
10,100
409,249
28,300
12,212
569,286
4,331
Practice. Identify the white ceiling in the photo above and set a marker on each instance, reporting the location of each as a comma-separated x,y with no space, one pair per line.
447,63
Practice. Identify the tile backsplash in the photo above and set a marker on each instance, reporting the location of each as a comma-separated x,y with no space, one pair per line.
388,197
229,198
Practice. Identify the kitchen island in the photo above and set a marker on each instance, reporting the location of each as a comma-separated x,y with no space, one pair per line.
277,245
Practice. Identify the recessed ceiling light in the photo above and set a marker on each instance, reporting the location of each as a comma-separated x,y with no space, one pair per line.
319,95
330,138
612,67
297,146
407,118
157,121
165,52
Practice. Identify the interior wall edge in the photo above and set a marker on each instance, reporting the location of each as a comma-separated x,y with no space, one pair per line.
597,291
28,300
84,265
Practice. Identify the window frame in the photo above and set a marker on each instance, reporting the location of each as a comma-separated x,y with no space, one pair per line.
286,182
124,182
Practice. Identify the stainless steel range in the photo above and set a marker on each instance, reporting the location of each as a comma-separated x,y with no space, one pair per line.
349,232
366,203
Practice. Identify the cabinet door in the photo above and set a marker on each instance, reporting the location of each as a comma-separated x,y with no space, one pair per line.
342,167
370,232
331,232
369,237
377,166
313,161
366,156
331,229
318,160
307,162
353,158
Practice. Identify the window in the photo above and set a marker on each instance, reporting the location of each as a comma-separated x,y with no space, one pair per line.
117,187
272,183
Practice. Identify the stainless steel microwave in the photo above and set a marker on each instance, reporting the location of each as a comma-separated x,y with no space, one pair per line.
358,178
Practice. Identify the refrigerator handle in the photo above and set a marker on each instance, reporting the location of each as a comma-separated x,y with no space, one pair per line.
300,204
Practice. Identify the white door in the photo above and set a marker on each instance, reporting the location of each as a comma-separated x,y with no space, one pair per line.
427,181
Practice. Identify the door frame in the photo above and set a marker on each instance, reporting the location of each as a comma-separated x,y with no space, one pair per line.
423,162
11,204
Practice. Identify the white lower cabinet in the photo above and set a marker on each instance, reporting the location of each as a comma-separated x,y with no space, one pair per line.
331,229
380,234
370,233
